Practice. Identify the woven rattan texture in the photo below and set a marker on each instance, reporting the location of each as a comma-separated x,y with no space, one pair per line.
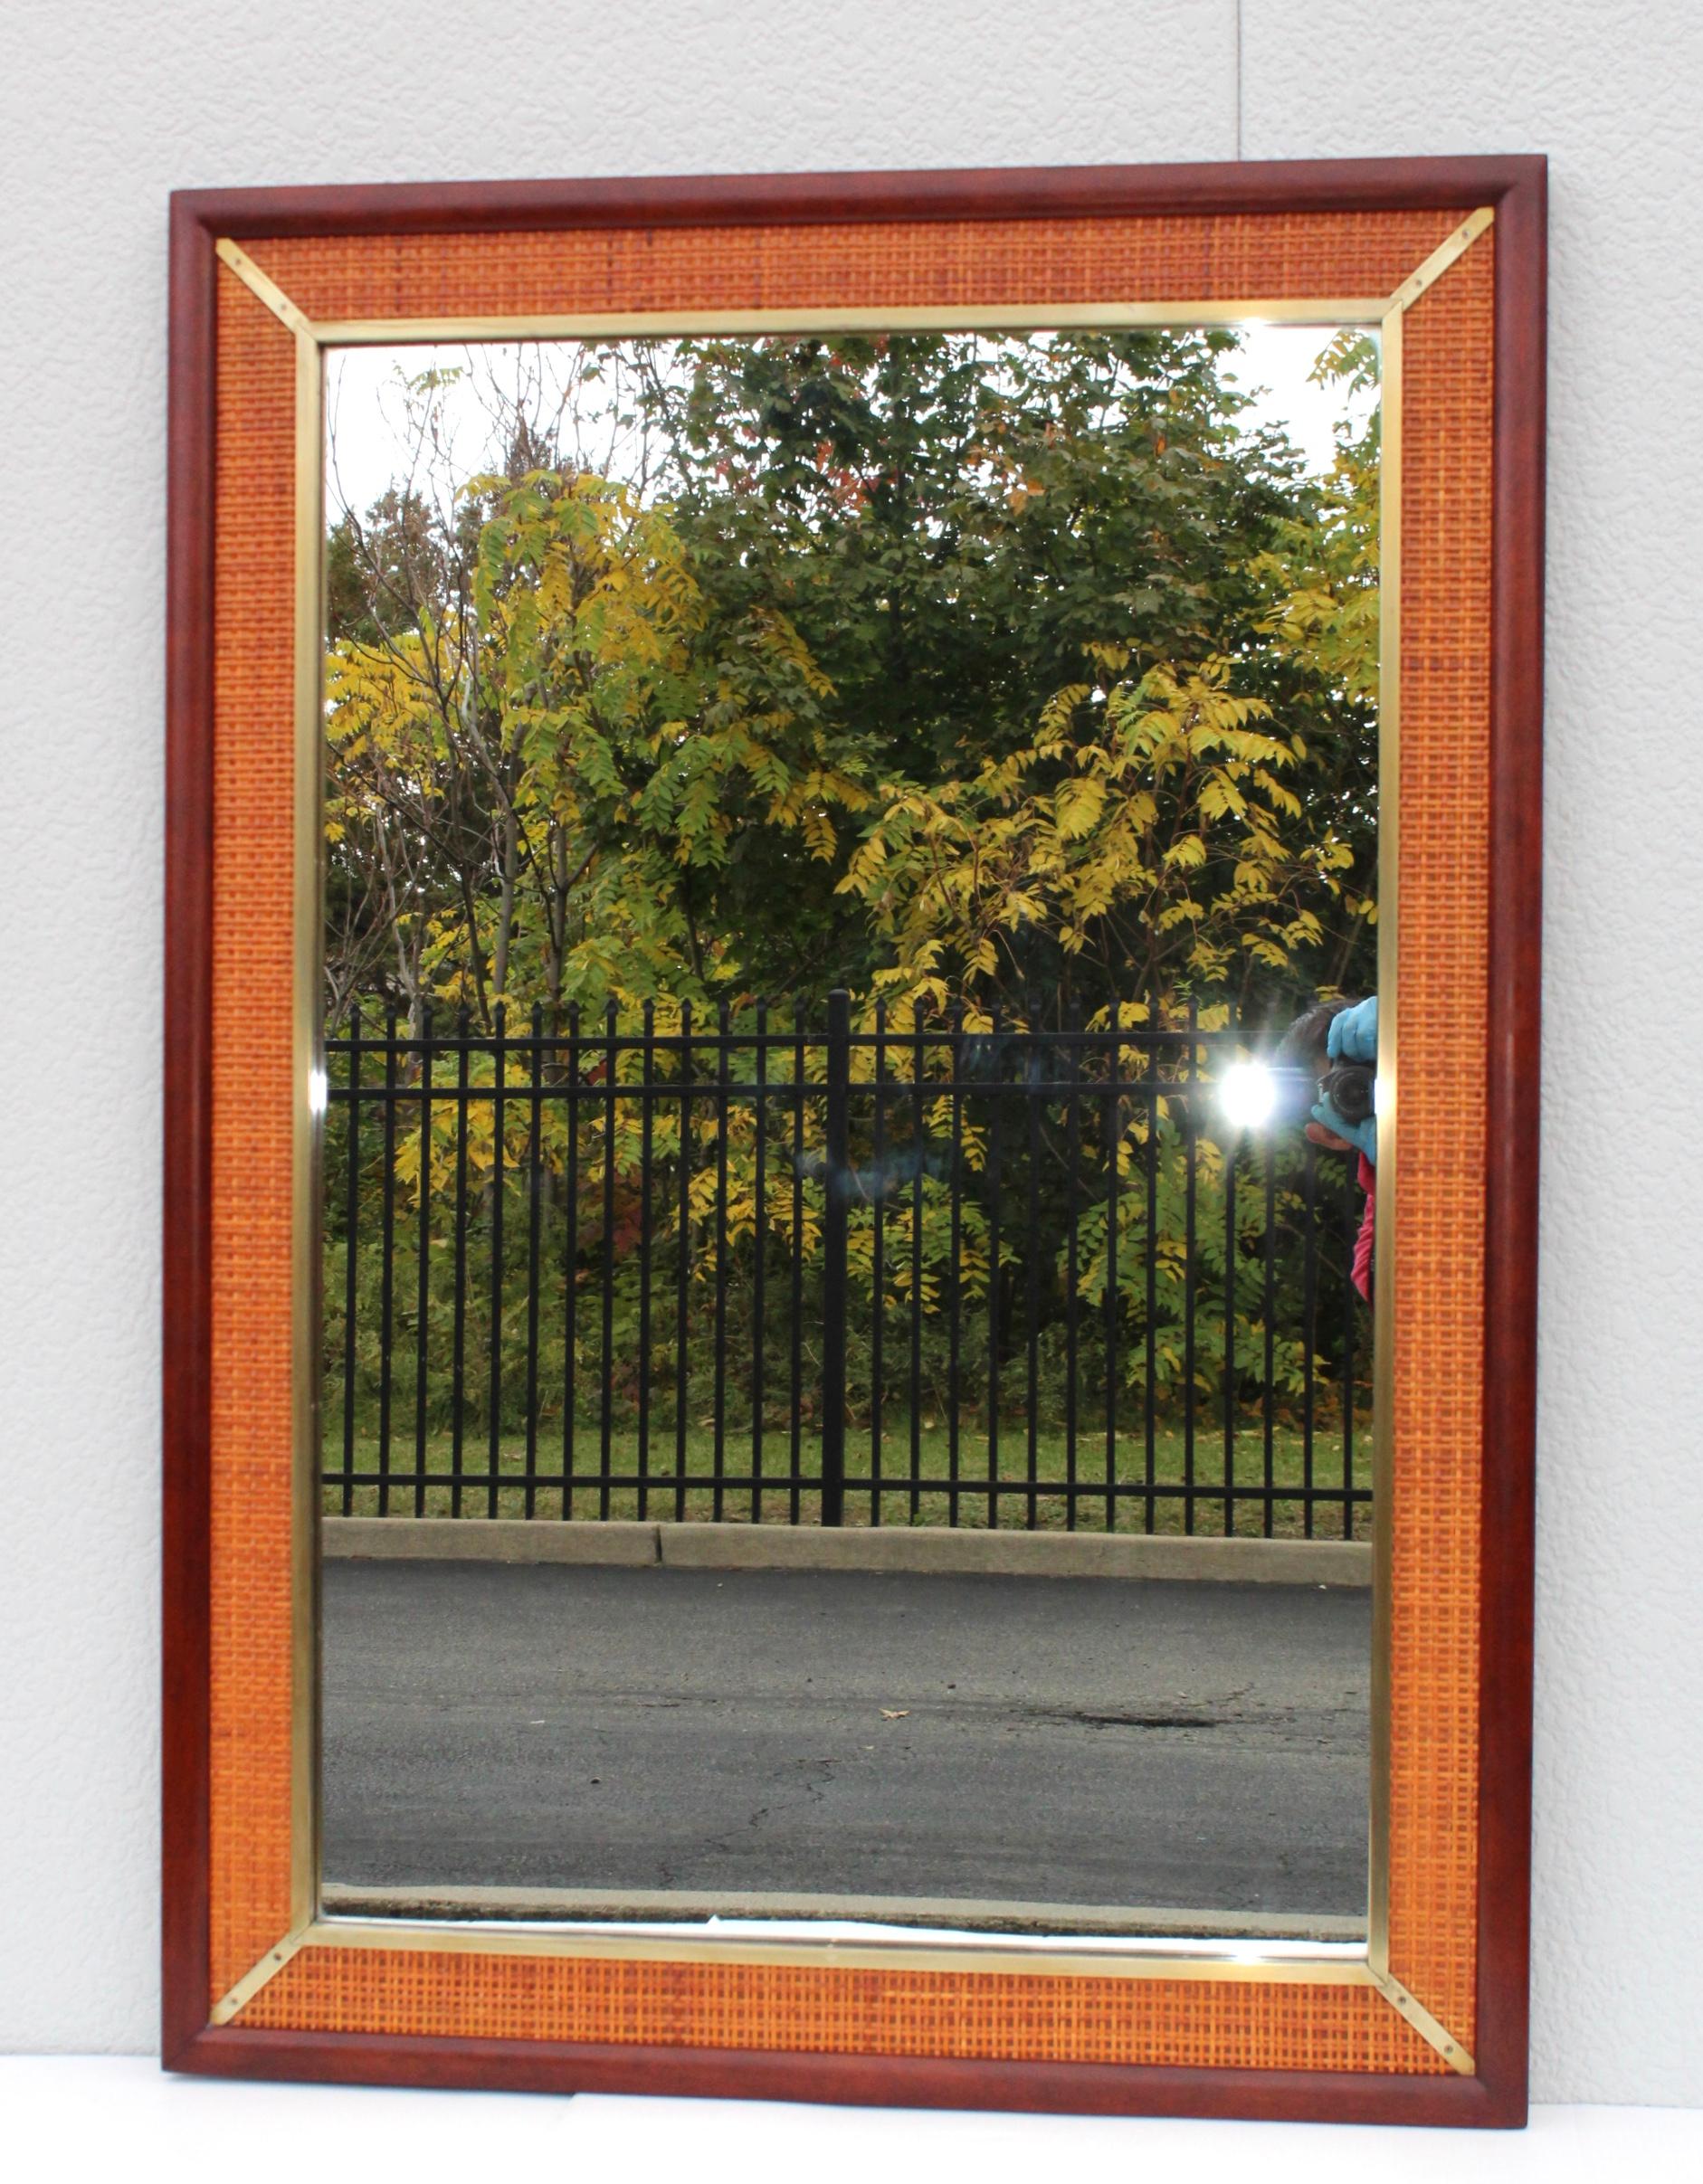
953,2014
253,879
1439,1304
897,265
1446,419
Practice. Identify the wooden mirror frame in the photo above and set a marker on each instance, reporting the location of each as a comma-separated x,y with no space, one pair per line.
1431,2027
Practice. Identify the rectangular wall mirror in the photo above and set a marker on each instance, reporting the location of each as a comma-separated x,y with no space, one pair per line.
820,832
850,1318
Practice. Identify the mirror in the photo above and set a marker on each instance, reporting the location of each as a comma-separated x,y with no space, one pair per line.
847,1179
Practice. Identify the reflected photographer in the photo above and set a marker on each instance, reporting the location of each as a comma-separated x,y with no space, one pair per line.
1336,1044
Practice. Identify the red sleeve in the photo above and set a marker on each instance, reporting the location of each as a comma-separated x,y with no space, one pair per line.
1362,1270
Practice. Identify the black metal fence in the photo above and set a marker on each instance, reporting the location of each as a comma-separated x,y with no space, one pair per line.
759,1270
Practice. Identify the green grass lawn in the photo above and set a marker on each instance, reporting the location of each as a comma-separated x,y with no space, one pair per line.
933,1505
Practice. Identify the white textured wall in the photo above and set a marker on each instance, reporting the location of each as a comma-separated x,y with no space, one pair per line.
106,107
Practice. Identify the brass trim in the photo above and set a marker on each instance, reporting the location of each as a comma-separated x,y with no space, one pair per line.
1428,2028
1434,268
1311,1964
1390,394
307,1121
258,1974
263,286
996,319
1145,1956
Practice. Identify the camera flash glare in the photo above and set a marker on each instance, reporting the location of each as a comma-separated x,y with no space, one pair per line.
1247,1092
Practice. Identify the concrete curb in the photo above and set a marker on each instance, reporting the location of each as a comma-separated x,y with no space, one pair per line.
1017,1554
496,1539
786,1547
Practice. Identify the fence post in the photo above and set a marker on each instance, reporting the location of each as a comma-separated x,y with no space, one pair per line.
836,1189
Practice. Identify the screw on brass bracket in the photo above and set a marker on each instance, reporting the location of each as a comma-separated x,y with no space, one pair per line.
1440,259
1423,2023
264,287
258,1975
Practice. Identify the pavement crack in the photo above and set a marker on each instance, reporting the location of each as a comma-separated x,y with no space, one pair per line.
814,1790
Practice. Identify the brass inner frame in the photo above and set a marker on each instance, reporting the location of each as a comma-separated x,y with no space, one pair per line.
1167,1955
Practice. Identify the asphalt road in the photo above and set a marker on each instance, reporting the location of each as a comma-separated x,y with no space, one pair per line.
1061,1740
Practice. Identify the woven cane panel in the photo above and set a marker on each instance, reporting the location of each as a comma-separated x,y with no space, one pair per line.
896,264
1440,1168
1440,1275
252,970
954,2014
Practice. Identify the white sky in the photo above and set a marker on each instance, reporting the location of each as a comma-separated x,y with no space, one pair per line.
1279,358
364,405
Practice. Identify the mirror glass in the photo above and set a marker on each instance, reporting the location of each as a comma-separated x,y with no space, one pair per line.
849,940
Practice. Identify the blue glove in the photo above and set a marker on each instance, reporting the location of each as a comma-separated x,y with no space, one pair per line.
1362,1137
1352,1035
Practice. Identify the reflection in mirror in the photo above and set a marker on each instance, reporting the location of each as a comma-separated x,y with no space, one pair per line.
846,1384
